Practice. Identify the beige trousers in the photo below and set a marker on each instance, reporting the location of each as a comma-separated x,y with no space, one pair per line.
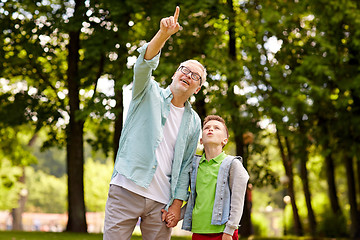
122,211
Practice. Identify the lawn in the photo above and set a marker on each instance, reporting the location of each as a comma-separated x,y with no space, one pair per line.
10,235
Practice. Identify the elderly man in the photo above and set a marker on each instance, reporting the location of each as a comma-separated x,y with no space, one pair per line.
156,147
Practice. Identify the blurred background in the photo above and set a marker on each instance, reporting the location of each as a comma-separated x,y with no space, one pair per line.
284,74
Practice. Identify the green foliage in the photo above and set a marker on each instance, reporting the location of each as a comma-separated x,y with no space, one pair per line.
15,143
97,179
264,163
260,224
308,89
15,153
46,193
51,161
9,185
331,225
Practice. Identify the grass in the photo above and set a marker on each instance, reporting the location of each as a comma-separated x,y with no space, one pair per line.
14,235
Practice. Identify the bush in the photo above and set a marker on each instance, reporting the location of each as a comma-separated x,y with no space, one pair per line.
260,224
332,225
47,193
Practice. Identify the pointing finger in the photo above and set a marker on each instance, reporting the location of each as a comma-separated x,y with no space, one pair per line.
176,14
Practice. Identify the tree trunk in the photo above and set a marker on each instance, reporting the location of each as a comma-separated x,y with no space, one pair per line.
329,166
290,184
75,147
303,153
305,182
123,54
246,227
199,105
245,230
330,175
119,111
17,212
354,212
358,168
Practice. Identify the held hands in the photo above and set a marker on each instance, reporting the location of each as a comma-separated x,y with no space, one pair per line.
169,218
172,217
170,25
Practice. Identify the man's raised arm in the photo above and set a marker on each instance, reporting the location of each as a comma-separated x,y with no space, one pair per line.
168,26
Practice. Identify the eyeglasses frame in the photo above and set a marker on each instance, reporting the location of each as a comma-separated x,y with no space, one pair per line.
191,73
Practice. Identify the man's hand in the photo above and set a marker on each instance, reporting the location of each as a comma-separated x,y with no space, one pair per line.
167,217
170,25
173,214
226,236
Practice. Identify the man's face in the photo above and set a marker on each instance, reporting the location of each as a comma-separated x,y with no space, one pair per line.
185,82
214,133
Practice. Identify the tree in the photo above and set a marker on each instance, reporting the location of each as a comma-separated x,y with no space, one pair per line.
52,49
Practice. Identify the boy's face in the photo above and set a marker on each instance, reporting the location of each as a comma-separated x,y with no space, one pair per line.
214,133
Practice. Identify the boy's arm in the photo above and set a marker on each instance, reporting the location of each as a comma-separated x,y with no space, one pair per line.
237,181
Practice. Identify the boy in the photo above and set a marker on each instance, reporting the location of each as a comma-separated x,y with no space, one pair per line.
218,185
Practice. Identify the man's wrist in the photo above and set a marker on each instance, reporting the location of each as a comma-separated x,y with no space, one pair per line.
163,35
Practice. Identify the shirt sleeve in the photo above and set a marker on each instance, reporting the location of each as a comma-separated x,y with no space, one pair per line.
143,71
182,188
238,182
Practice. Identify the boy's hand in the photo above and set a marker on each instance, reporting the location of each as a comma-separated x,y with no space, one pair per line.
170,25
226,236
168,218
174,212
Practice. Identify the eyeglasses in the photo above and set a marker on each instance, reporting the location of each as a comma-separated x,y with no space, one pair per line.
196,77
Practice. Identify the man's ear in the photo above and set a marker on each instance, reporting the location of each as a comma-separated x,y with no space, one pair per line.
197,90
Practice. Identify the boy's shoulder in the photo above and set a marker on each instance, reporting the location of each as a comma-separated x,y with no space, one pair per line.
230,157
196,160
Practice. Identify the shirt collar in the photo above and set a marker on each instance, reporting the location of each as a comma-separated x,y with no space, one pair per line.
217,159
168,92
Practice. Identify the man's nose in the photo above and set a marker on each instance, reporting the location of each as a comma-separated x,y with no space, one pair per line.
188,75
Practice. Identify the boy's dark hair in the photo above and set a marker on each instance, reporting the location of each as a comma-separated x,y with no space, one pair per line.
216,118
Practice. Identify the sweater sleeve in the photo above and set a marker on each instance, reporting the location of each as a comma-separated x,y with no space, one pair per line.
238,182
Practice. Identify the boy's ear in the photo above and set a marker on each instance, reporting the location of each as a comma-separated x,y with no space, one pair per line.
224,142
201,142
